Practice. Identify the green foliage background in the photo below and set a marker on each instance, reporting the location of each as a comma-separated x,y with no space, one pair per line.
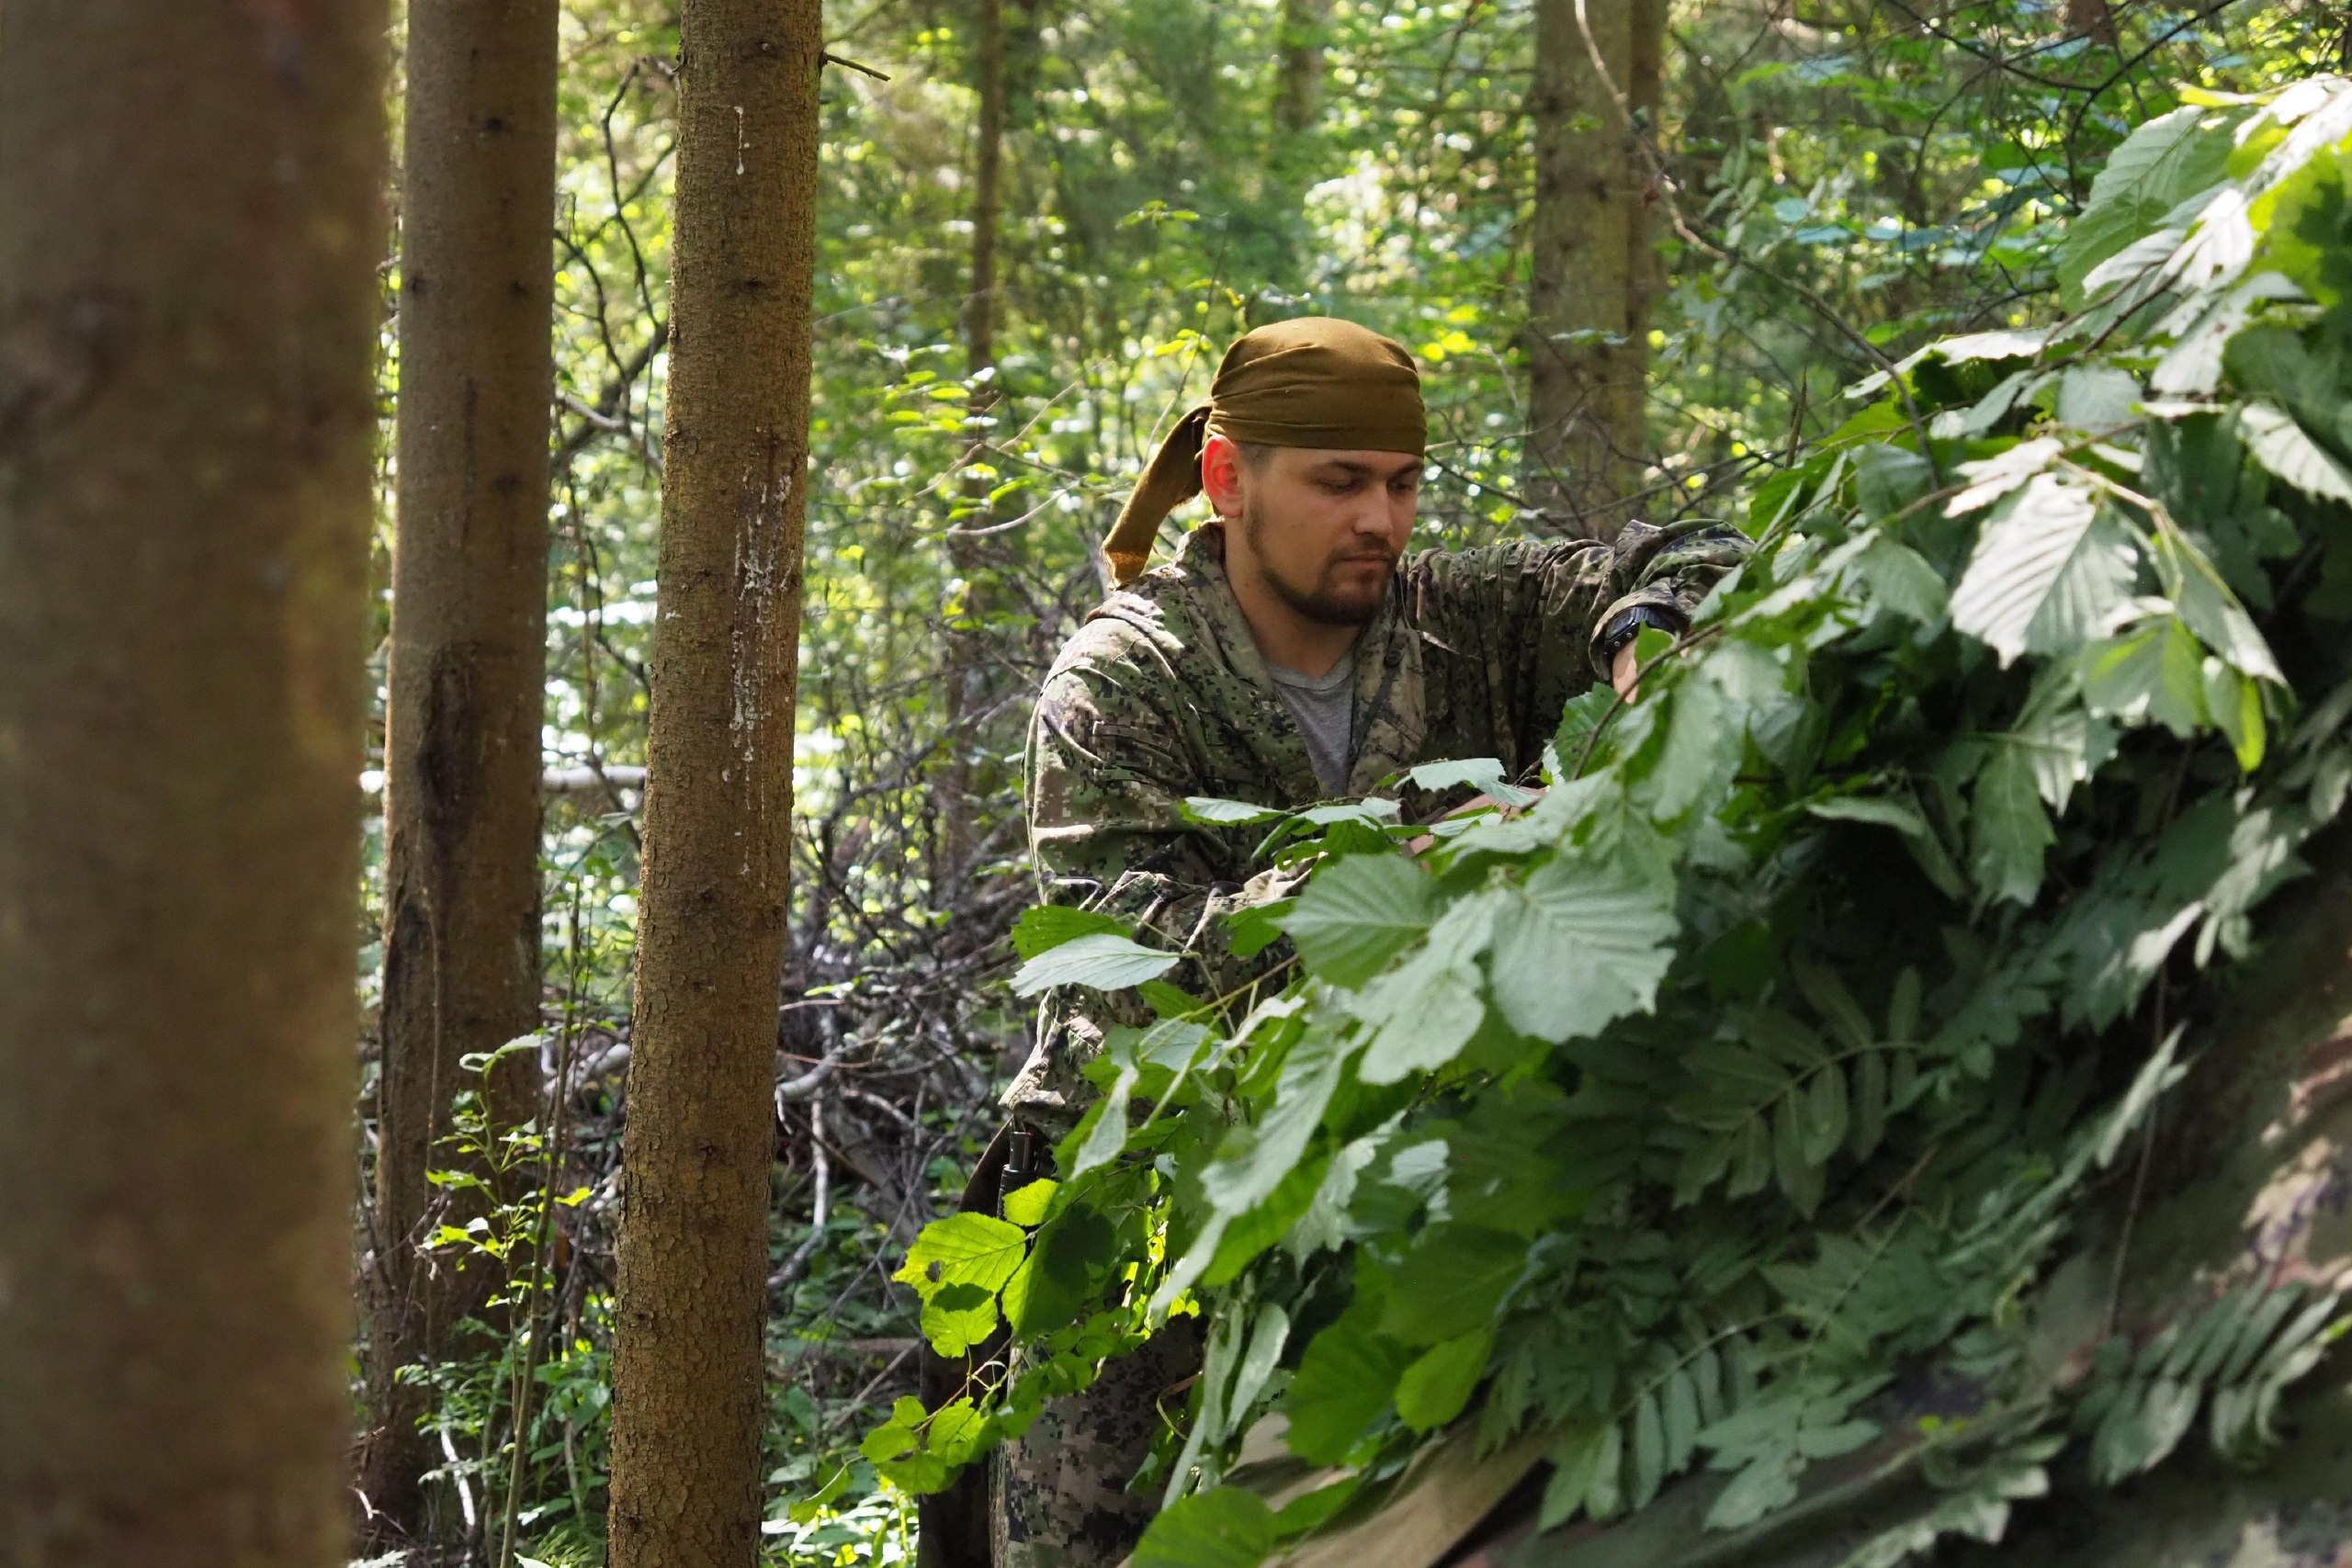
1837,190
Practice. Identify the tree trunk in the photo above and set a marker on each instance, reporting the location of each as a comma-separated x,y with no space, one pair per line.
1591,266
187,320
976,559
461,808
687,1405
1298,65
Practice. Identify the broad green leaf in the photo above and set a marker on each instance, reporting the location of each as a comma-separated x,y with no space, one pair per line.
2149,675
2044,571
2170,158
1026,1205
1451,1282
964,1250
1900,578
1581,947
1106,1133
1437,1012
2008,830
1053,1283
1222,1528
1216,813
1345,1379
1429,1006
1989,479
1435,1388
1102,960
2279,444
1251,1161
1049,925
1703,743
958,1317
1358,912
2210,610
1484,774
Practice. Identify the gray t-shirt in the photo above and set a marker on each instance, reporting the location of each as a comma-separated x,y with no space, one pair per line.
1324,706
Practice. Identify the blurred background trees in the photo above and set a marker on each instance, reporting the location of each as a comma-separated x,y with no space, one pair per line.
1634,291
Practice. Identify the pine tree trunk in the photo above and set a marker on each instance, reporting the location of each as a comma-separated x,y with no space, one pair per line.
461,810
687,1396
1591,264
976,558
187,320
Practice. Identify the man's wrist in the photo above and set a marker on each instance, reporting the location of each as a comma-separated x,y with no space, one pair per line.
1626,625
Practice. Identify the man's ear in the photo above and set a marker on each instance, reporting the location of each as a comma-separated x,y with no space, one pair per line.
1221,474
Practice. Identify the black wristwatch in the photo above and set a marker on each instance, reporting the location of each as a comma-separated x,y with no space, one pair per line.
1627,624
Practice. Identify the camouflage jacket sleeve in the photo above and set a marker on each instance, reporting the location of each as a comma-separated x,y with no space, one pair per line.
1107,779
1521,622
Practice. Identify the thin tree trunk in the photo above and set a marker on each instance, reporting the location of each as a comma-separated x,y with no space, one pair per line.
461,817
1298,65
1592,268
687,1396
188,321
976,559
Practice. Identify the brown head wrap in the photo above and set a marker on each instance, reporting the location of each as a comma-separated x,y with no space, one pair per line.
1311,382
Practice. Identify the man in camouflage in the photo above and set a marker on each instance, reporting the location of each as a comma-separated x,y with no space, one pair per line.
1290,652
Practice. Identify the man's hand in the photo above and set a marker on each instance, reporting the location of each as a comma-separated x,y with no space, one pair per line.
1623,673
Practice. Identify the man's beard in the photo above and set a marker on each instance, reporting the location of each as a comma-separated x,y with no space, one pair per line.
1326,606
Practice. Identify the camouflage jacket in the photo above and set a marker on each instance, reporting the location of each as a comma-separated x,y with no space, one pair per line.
1163,694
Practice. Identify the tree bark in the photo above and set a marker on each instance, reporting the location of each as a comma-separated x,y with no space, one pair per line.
187,323
687,1405
976,559
461,841
1591,264
1298,65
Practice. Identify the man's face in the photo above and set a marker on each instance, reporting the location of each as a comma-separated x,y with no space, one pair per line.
1324,528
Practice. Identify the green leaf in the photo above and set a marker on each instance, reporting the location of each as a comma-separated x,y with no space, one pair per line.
1800,1178
1583,717
2044,572
1885,811
1026,1205
1103,961
1224,1528
1576,1459
1900,578
1648,1451
1484,774
2210,611
1345,1381
2170,158
2150,675
2279,444
1051,1286
2008,831
1451,1282
1438,1010
1212,812
1580,947
964,1250
1826,1118
1434,1389
1678,1408
1049,925
1358,912
958,1317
